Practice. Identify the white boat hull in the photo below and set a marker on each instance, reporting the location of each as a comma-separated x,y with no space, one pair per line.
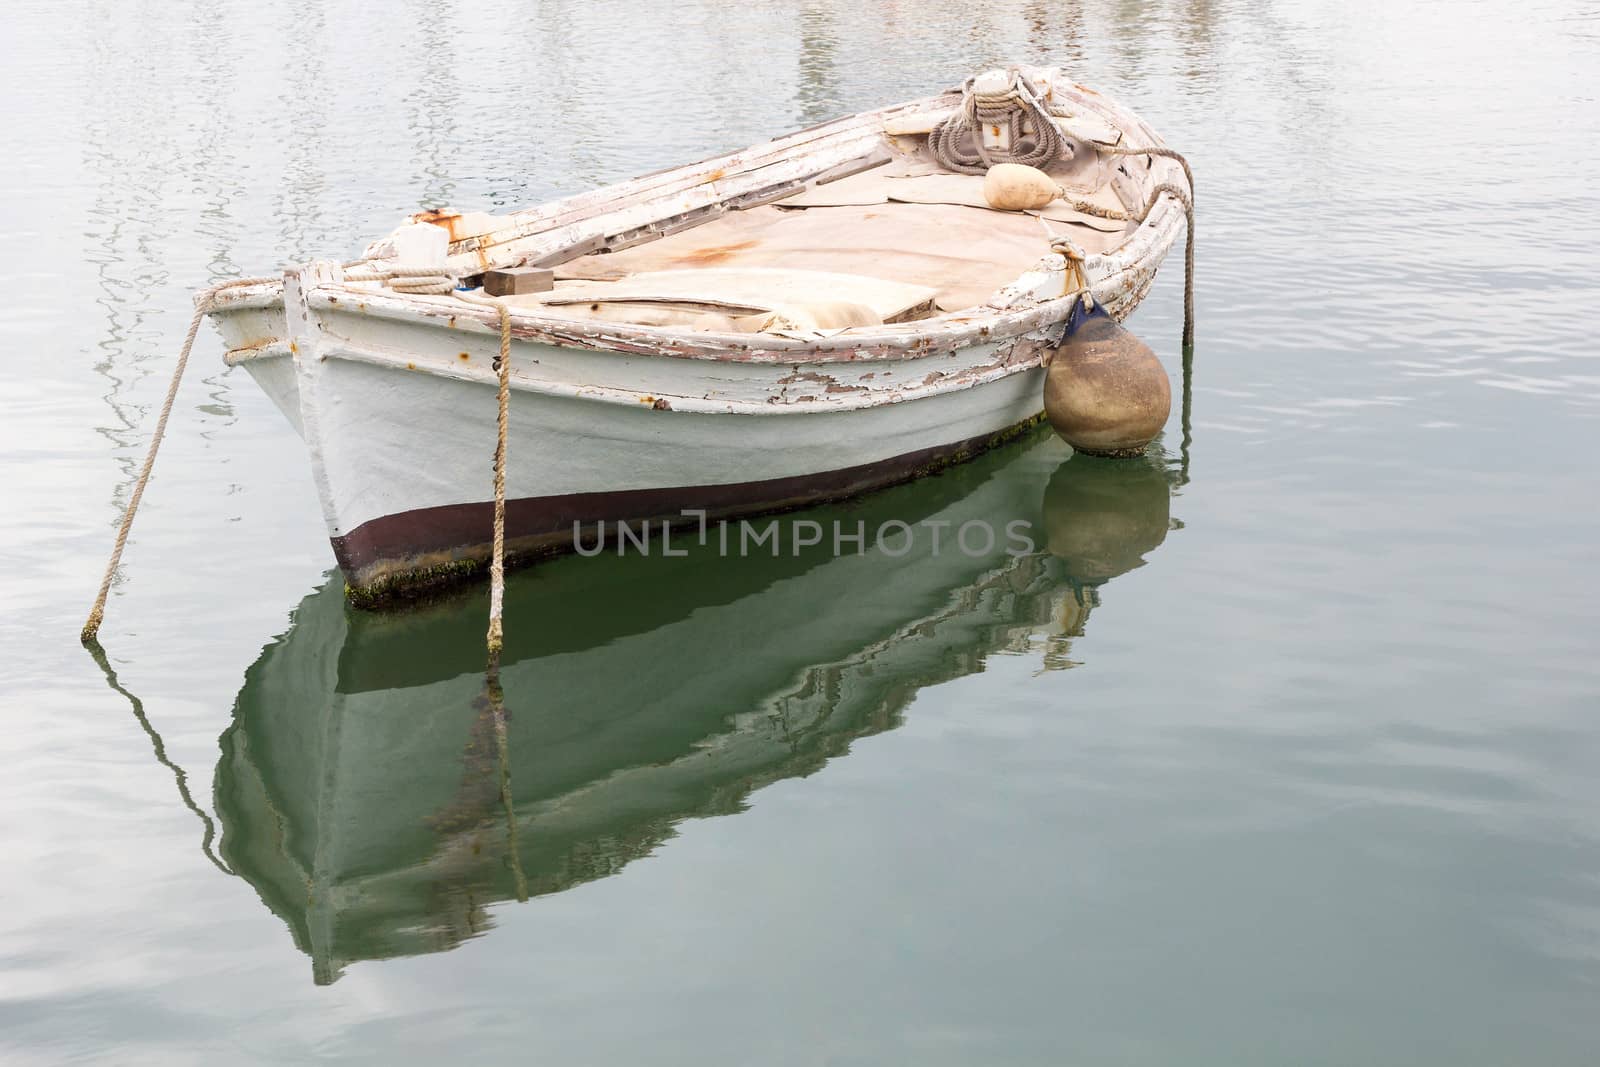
400,424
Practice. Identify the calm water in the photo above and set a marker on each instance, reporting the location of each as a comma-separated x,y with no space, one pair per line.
1291,758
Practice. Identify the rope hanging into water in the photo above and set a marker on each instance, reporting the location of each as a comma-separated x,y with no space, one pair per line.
441,279
1184,197
495,640
497,562
202,304
1065,247
160,749
495,693
400,279
497,559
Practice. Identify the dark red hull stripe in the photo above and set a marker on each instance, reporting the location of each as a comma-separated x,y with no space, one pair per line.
393,544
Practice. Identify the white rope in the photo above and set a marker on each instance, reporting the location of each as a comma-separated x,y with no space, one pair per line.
416,281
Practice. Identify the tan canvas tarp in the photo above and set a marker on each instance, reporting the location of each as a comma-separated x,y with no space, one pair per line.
923,183
738,300
962,253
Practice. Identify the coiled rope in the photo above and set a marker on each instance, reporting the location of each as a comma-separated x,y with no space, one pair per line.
958,143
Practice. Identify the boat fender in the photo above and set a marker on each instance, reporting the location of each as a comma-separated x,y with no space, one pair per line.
1105,392
1016,187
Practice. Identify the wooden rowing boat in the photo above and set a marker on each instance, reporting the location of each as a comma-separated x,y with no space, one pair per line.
830,312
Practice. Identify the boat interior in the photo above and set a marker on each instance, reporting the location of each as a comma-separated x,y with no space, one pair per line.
884,233
904,240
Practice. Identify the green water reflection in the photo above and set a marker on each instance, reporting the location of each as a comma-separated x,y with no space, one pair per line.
360,784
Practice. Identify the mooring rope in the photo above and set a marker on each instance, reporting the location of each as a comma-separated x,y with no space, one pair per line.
415,280
444,280
497,707
497,560
202,305
160,749
1186,198
497,583
1065,247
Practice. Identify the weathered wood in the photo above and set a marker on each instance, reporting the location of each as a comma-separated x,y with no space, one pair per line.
556,256
759,289
559,237
669,179
854,166
770,195
661,186
654,231
616,242
917,122
1090,129
515,281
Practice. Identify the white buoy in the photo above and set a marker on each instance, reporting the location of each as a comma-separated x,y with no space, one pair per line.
1016,187
419,244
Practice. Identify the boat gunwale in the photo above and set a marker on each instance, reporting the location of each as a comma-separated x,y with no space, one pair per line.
970,377
997,325
997,320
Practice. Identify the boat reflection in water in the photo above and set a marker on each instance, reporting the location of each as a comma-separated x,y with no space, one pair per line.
368,793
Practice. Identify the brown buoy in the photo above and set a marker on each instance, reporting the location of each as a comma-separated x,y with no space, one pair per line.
1105,392
1101,519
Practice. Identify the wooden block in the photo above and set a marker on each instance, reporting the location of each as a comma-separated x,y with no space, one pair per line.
514,281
